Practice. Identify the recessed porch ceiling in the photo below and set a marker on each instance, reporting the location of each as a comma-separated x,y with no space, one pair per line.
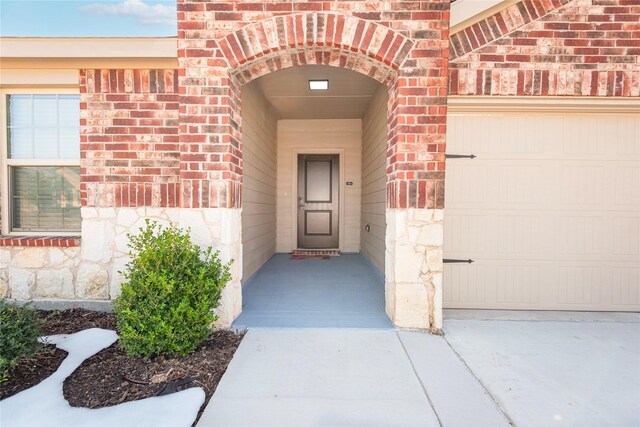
288,92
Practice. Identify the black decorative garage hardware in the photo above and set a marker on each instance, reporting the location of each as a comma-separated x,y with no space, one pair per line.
460,156
457,261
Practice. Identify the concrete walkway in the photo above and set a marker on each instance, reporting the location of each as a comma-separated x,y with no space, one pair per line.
340,292
533,372
338,362
348,377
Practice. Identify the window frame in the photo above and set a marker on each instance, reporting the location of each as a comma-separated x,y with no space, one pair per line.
6,163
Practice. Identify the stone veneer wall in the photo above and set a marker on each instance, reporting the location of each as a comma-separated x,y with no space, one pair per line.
413,268
91,270
48,272
107,228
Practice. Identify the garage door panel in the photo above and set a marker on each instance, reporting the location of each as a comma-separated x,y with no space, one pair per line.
483,183
597,236
544,236
626,140
505,183
549,211
625,289
626,237
582,184
627,186
504,284
517,136
581,235
477,135
513,235
581,285
463,284
518,284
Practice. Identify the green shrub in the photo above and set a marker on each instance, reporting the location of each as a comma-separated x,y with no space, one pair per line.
20,328
171,289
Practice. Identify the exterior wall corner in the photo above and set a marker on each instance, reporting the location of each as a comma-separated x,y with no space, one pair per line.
413,266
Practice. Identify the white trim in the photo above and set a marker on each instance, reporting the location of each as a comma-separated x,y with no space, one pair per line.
34,78
43,162
5,217
542,104
4,167
43,234
89,47
294,200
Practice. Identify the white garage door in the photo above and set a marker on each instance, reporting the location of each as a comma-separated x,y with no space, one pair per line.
549,211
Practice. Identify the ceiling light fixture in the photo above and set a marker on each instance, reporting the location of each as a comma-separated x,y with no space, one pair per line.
318,84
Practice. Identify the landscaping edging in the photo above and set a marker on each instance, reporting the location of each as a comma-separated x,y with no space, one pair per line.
110,377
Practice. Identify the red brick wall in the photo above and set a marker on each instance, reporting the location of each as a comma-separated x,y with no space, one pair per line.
173,137
130,154
574,48
222,45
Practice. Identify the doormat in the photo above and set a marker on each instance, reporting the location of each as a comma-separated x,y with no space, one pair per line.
313,253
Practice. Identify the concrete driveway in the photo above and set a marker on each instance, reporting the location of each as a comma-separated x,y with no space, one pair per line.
530,372
556,373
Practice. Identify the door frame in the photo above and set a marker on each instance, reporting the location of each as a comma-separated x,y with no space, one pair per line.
294,199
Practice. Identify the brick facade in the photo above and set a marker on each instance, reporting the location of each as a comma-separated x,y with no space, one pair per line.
130,155
223,45
551,47
172,138
167,144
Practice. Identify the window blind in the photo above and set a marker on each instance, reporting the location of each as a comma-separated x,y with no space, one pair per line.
46,198
44,126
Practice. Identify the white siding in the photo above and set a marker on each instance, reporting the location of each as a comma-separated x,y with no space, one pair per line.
549,210
259,181
301,135
374,163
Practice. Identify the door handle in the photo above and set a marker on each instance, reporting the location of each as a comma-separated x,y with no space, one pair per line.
300,204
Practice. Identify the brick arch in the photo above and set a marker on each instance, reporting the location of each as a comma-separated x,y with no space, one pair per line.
315,55
411,63
276,60
326,32
303,55
222,45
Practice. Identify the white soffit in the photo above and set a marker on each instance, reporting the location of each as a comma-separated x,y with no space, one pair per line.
466,12
288,92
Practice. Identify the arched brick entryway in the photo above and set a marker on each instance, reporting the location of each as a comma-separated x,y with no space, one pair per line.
402,45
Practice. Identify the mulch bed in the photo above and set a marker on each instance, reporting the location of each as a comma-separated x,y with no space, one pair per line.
111,377
76,320
32,371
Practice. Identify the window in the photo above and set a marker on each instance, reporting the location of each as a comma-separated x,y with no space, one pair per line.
42,163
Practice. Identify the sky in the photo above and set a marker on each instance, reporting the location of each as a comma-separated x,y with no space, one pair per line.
88,18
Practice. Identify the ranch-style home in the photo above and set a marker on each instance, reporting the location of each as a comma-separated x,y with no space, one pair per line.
420,134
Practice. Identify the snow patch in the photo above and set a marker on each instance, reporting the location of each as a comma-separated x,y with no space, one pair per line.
44,404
